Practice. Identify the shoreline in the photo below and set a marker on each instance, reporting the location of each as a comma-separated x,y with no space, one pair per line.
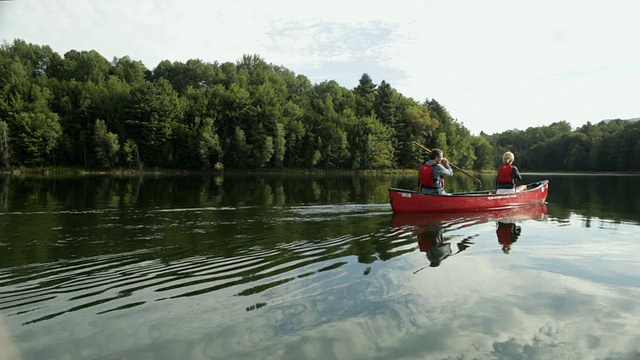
270,171
180,172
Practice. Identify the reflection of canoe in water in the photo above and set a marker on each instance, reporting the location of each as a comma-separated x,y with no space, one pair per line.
431,227
447,219
408,201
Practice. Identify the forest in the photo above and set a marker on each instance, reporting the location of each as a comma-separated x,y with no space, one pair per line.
81,110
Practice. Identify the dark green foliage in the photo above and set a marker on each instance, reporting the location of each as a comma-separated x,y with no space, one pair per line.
369,143
450,136
483,151
153,115
5,155
132,72
83,66
107,145
82,110
364,94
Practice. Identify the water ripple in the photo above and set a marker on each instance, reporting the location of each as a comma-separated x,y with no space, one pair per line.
117,282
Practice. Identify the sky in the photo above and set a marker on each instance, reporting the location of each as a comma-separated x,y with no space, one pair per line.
495,65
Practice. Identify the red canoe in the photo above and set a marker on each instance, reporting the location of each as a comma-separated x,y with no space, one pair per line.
408,201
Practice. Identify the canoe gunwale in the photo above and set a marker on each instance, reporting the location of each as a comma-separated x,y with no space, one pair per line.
530,187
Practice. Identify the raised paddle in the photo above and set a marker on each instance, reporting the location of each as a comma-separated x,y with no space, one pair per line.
452,165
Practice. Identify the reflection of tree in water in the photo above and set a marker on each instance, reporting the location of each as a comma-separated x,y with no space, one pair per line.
4,193
371,250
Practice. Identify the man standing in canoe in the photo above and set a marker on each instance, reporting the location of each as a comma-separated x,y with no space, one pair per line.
432,173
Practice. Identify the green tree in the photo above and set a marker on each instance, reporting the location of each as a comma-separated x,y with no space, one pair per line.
73,104
483,151
107,145
450,136
369,143
415,122
578,147
128,70
234,111
38,60
295,137
624,144
37,136
155,112
387,105
237,149
194,73
364,95
5,154
83,66
262,147
132,155
279,145
209,144
32,127
326,134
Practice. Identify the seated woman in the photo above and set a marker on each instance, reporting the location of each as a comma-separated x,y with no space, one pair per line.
508,176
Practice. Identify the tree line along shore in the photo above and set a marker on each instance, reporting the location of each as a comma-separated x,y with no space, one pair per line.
81,111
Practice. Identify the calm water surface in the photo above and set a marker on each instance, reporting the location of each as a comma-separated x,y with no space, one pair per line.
313,267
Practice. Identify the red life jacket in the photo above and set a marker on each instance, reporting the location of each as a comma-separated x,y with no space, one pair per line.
425,175
505,172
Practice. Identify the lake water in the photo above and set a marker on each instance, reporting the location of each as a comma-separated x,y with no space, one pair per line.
313,267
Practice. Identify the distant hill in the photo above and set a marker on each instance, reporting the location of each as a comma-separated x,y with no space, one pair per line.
607,120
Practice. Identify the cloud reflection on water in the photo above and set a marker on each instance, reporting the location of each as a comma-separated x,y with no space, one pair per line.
531,314
475,307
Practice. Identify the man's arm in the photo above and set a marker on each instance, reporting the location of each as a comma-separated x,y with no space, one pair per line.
444,170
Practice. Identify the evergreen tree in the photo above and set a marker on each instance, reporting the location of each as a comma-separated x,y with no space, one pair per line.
365,94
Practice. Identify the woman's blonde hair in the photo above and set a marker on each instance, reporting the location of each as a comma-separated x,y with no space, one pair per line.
508,157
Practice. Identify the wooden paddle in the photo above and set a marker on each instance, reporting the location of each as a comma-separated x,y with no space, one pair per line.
452,165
